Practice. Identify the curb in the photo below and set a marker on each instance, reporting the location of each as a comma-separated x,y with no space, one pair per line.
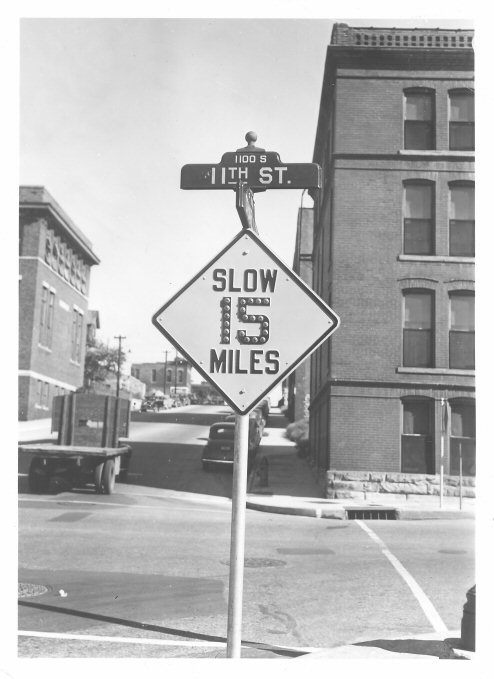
321,510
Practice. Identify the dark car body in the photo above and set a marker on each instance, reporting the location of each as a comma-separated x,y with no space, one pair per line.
219,450
256,424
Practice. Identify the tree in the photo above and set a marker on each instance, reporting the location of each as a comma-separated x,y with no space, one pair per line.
100,361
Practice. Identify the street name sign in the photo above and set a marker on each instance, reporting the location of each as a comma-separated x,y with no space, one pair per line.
245,321
259,169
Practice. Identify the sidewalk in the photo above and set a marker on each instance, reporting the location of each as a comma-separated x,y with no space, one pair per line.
34,430
288,486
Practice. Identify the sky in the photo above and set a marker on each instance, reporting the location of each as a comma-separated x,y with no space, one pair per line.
112,108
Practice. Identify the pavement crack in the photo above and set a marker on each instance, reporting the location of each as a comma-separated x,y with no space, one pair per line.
286,621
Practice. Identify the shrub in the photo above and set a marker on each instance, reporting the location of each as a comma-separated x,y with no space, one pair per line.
298,431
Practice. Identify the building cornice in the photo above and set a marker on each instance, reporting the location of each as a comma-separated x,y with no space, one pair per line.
37,198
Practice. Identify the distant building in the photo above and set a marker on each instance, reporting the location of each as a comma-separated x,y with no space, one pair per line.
298,382
393,253
169,377
55,259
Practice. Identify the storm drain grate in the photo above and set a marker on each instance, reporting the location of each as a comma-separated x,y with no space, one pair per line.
381,514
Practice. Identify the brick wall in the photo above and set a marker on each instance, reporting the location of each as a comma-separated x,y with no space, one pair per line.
52,365
359,264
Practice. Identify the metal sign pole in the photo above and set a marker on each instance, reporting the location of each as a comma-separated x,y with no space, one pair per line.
239,490
461,476
239,498
441,469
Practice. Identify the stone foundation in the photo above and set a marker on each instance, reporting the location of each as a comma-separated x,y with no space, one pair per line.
369,485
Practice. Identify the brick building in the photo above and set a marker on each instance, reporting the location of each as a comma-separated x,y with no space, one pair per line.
178,376
55,259
298,382
393,252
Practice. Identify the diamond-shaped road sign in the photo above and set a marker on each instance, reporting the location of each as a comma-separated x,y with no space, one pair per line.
245,321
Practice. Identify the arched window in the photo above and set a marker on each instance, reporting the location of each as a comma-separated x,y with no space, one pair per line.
417,448
48,250
420,116
462,330
418,218
461,120
418,334
462,219
462,437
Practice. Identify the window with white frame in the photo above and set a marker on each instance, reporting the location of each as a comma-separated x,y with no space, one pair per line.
418,335
419,119
418,222
77,324
462,220
462,437
417,449
47,312
462,330
461,120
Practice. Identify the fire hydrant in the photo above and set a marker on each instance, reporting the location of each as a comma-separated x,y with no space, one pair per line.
468,622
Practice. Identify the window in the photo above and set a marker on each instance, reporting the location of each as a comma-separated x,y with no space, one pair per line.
153,375
417,329
39,388
180,376
45,397
417,451
418,227
462,220
137,373
462,331
461,120
419,120
77,322
168,375
462,438
47,311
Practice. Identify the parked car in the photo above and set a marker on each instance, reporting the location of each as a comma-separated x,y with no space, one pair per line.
219,450
256,423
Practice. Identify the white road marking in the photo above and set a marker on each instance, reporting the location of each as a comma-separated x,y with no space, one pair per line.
120,640
168,508
425,603
146,641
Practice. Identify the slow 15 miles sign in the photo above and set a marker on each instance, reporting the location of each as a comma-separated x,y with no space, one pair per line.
245,321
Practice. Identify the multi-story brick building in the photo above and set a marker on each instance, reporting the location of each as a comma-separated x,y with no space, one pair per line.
55,259
169,377
298,382
393,252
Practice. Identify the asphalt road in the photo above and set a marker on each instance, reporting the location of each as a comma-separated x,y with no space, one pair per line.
143,566
148,569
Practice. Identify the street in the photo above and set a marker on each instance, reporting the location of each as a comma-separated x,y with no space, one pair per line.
148,569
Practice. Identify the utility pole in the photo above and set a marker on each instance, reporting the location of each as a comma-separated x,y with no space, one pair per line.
176,361
166,368
119,338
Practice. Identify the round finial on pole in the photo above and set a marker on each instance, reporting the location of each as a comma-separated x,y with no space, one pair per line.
251,138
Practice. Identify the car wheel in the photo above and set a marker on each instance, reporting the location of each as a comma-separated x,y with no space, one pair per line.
98,477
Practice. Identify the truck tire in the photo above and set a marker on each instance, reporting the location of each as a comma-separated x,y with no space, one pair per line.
108,477
98,477
38,478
